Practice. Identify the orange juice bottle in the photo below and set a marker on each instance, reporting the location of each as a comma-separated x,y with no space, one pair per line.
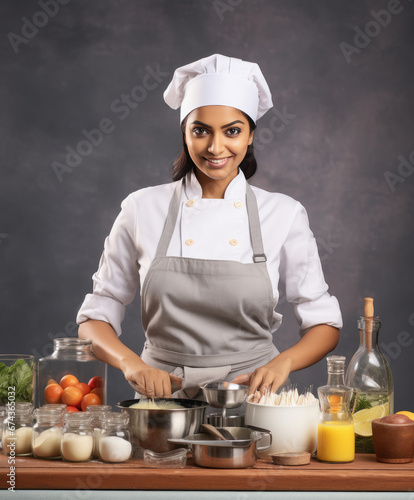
336,441
336,438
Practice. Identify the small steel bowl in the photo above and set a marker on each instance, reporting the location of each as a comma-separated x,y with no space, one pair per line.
225,394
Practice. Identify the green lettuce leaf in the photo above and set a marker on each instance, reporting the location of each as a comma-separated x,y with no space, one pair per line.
19,376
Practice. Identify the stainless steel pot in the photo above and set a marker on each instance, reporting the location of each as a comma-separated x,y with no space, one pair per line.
239,453
151,429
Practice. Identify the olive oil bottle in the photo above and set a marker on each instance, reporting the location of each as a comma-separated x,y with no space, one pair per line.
370,374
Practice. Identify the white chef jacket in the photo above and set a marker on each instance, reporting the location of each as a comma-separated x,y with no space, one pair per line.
212,229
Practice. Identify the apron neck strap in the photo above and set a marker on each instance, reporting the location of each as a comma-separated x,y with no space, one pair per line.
169,225
254,225
252,212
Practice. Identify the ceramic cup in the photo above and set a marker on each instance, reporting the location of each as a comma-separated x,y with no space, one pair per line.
393,443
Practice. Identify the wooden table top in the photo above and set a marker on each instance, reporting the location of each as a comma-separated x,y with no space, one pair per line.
364,474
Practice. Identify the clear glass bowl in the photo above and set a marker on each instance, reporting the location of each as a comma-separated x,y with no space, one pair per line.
175,459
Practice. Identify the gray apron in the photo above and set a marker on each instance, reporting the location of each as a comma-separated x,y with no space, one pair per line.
207,320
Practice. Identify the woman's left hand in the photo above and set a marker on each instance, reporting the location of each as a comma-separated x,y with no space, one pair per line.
267,378
311,348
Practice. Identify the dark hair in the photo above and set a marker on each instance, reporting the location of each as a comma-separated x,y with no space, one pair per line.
184,164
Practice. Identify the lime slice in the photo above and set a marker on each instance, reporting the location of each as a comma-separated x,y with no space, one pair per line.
363,419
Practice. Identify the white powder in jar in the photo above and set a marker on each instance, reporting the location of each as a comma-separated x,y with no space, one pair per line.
76,448
47,443
21,439
114,449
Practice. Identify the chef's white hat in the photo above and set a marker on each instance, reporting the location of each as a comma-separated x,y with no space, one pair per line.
219,80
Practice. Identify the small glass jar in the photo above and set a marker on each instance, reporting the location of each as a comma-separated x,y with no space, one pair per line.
3,415
115,441
47,432
56,407
75,357
77,438
95,413
18,429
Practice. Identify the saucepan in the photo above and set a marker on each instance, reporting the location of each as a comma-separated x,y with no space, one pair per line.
237,453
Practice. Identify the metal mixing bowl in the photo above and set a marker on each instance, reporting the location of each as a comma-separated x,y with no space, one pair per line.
151,429
225,394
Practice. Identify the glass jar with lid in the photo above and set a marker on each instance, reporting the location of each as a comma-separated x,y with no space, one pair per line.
18,429
73,358
115,440
77,438
95,413
47,432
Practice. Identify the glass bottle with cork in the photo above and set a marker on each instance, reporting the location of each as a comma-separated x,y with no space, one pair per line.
370,374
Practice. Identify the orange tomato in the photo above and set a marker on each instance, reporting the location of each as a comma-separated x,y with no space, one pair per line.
51,381
72,396
68,380
53,393
98,391
335,401
84,388
71,409
90,400
95,382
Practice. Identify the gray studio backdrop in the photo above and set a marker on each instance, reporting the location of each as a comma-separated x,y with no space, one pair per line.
83,124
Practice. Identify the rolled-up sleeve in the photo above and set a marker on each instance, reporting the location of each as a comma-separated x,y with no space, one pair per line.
302,275
116,281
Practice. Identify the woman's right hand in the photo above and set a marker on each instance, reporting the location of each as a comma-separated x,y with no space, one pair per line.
106,346
151,382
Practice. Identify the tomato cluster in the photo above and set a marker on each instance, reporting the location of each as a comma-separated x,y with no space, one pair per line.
76,395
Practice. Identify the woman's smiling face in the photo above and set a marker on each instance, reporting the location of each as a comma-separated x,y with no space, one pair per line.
217,138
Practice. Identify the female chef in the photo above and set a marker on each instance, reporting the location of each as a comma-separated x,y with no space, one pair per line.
208,252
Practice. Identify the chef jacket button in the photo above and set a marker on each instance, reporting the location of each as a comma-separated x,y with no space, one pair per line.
238,204
190,203
189,242
233,242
